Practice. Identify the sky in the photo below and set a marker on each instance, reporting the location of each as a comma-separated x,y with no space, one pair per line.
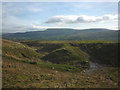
34,16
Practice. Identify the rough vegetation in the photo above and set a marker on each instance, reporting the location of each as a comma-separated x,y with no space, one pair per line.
59,64
105,52
16,50
23,75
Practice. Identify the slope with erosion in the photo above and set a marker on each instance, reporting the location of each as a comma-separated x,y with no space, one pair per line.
16,50
23,53
17,73
68,55
60,52
104,52
74,53
44,46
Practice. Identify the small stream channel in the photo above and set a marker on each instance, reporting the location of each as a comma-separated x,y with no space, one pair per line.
93,67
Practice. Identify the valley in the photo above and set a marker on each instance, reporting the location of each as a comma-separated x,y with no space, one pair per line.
60,64
69,44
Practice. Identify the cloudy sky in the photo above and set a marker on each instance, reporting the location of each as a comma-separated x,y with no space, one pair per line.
29,16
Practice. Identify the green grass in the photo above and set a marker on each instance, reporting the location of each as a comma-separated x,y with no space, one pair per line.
60,67
34,42
24,68
76,52
68,55
55,53
19,51
48,65
100,50
23,75
104,53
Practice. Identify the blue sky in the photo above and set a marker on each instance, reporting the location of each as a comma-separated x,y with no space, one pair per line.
29,16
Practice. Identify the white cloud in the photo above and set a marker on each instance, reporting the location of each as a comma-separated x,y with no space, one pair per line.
110,17
81,19
37,27
45,27
13,24
63,19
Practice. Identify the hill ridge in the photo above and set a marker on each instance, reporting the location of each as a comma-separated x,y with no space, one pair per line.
65,34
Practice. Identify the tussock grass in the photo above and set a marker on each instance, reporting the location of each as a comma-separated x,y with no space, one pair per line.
23,67
18,50
23,75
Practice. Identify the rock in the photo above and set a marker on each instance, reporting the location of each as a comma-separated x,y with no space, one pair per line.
53,68
83,71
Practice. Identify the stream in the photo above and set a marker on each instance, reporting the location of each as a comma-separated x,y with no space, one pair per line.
93,67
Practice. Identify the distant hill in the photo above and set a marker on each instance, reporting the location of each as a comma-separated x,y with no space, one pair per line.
65,34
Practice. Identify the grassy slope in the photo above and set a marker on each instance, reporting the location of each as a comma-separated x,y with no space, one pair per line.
24,75
102,51
22,53
68,55
60,52
19,71
105,53
18,51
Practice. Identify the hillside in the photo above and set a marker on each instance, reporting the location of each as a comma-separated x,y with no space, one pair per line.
76,53
57,64
23,53
65,34
18,51
105,52
23,75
